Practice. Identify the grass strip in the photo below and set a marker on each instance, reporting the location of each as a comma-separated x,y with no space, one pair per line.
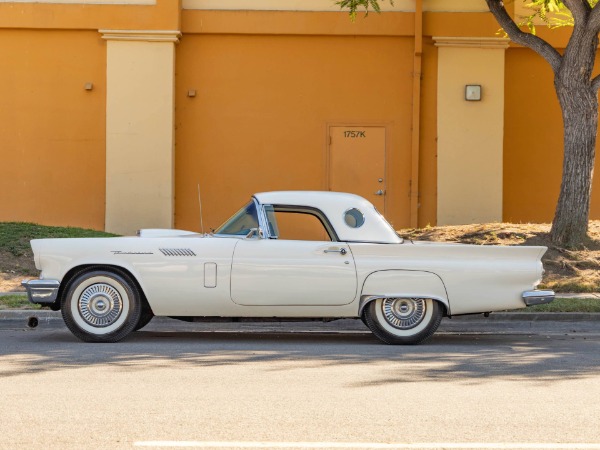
566,305
15,236
16,302
561,305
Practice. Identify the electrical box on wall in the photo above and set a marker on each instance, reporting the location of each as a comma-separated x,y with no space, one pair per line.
473,92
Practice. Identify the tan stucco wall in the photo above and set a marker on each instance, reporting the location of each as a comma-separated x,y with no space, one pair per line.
86,2
139,130
470,134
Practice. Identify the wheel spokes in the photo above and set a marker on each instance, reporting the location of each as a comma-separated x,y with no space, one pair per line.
404,313
100,305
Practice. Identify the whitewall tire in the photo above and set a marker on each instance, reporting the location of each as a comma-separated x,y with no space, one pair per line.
101,305
403,320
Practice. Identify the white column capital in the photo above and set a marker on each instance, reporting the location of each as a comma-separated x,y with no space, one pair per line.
141,35
472,42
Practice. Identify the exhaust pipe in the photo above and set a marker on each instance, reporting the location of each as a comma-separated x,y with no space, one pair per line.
32,322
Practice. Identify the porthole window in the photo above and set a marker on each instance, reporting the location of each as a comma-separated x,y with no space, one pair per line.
354,218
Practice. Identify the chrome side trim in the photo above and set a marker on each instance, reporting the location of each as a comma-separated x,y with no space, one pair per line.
263,222
364,300
536,297
41,291
177,252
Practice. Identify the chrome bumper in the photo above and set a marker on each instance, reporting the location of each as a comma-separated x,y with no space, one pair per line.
41,291
536,297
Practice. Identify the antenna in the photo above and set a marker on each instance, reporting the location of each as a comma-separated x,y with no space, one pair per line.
200,205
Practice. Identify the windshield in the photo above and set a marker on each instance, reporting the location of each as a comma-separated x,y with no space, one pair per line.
241,222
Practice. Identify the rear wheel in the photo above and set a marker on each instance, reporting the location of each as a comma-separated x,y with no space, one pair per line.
101,306
403,320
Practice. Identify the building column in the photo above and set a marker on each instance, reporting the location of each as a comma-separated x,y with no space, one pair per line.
470,133
139,129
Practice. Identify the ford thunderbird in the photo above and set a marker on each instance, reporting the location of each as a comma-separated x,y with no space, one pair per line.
283,256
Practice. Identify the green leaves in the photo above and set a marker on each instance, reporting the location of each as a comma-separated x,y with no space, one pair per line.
353,6
553,13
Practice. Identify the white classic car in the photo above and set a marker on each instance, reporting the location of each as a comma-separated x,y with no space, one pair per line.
284,256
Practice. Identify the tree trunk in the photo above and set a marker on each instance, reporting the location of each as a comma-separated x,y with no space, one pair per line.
577,93
579,105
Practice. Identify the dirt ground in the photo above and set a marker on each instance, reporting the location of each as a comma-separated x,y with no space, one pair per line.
14,269
10,282
575,270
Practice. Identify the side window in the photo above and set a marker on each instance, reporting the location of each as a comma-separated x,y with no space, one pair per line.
241,222
296,225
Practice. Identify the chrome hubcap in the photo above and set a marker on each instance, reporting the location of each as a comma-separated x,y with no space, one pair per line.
404,313
100,305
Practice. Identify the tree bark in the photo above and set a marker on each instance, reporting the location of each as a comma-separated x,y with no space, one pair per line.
579,105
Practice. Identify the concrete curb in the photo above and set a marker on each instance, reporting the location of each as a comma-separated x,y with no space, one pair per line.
558,295
12,314
583,324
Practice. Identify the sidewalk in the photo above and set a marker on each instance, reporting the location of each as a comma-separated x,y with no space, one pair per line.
579,295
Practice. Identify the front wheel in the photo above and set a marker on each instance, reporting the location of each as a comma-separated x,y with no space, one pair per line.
403,320
145,317
101,306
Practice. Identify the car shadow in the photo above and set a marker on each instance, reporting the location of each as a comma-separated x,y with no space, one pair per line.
472,358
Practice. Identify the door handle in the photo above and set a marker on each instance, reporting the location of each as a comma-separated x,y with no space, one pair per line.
339,250
380,192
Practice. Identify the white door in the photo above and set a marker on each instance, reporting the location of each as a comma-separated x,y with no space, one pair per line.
289,273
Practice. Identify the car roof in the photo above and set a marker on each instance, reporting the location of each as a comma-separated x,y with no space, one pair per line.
334,205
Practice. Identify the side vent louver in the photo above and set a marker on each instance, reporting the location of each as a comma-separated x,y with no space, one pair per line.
177,252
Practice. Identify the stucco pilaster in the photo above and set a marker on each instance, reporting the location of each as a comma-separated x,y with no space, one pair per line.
140,129
470,133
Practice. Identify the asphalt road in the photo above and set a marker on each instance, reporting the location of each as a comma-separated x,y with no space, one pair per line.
306,390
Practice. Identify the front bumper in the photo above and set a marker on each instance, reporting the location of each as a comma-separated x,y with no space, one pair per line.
536,297
41,291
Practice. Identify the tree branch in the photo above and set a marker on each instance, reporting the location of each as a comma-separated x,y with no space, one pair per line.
528,40
596,83
593,25
579,9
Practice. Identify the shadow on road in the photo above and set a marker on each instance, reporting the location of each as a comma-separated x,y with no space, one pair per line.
472,358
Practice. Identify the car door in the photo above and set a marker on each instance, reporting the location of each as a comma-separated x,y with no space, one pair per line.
270,272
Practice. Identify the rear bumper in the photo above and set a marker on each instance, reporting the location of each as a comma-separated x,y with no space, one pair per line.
41,291
536,297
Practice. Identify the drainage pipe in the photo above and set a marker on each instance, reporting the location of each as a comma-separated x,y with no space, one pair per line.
416,116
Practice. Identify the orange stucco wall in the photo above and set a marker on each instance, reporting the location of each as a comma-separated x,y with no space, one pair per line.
259,119
268,85
52,131
533,141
